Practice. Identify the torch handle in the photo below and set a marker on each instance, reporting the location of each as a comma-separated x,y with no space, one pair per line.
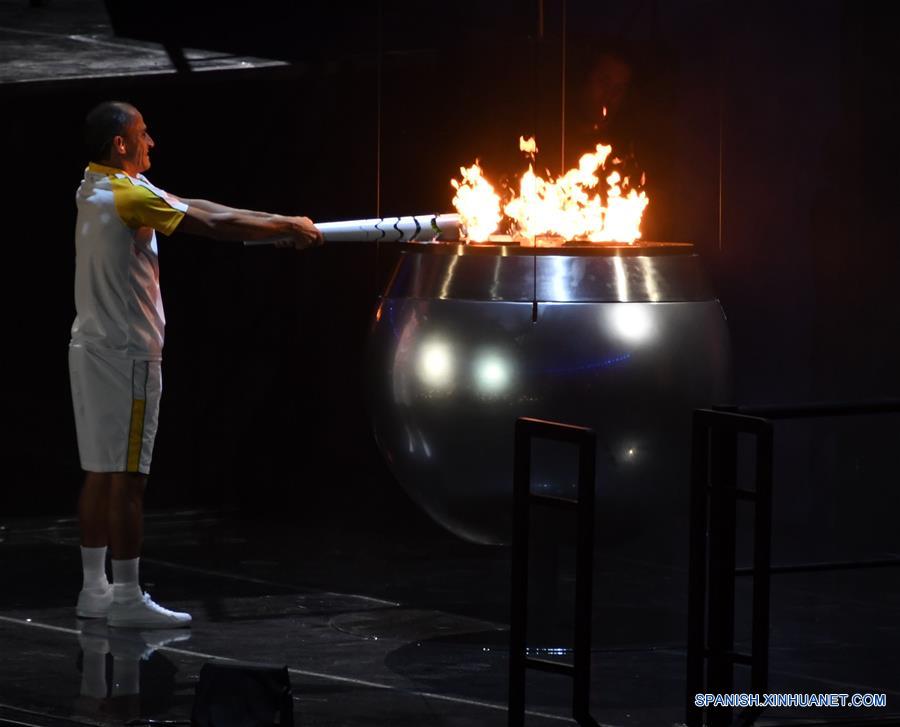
413,228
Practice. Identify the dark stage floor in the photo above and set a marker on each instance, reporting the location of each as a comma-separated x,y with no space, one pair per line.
391,621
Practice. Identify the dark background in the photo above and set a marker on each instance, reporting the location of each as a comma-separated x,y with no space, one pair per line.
769,135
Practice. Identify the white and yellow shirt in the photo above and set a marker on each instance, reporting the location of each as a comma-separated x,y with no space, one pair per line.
117,299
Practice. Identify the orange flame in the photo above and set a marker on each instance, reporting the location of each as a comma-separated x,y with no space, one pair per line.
570,206
529,146
477,203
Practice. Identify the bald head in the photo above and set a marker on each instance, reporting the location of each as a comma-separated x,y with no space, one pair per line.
103,123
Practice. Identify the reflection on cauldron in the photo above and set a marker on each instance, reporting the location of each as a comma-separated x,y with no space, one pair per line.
627,339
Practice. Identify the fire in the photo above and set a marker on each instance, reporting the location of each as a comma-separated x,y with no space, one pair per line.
477,203
570,206
529,146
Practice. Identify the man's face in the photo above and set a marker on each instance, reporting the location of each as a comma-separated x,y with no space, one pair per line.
137,144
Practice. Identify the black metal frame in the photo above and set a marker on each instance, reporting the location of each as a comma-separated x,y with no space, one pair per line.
711,583
580,671
714,497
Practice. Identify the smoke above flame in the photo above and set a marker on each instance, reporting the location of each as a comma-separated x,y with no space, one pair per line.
587,202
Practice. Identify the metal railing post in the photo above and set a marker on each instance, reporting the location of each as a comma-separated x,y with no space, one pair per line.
518,622
580,670
720,613
584,579
697,580
712,561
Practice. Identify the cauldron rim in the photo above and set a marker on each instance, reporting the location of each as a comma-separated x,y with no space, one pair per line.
639,248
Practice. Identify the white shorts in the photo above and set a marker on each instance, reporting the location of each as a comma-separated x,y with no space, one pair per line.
116,402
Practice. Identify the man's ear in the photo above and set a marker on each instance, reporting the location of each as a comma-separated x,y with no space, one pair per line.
118,143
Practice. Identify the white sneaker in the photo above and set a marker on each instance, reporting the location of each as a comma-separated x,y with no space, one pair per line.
143,613
93,603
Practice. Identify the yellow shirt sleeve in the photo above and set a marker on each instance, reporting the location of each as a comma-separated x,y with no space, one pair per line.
140,206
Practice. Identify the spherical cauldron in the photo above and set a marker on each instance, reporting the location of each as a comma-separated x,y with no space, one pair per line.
626,339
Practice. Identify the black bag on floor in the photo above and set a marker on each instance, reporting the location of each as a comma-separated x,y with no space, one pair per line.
240,695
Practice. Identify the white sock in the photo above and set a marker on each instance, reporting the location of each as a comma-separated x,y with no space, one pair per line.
126,586
93,563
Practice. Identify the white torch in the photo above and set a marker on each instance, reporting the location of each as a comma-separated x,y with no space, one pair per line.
412,228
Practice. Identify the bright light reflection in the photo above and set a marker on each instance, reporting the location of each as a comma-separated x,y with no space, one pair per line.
630,452
436,364
561,283
621,279
650,279
492,374
548,650
632,322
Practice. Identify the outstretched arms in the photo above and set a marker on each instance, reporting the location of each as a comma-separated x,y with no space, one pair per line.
210,219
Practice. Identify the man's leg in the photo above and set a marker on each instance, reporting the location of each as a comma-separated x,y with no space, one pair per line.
93,510
93,519
126,514
126,532
130,607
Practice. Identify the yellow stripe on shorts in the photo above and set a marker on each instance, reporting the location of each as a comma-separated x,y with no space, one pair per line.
135,435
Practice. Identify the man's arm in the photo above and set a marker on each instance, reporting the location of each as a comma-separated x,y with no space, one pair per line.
207,206
209,219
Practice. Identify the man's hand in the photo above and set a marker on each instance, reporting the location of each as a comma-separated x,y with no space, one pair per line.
303,234
219,222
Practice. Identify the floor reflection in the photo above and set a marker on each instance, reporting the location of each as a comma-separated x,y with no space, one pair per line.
112,661
403,624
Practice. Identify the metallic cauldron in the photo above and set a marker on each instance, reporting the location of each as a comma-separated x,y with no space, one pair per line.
626,339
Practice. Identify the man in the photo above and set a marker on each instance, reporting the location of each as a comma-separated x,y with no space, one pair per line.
116,347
